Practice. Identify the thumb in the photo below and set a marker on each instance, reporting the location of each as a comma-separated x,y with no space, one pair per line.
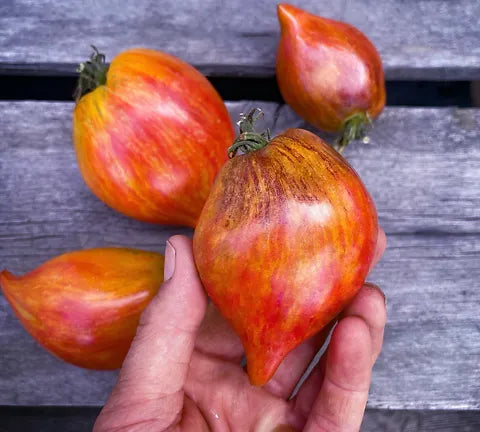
154,372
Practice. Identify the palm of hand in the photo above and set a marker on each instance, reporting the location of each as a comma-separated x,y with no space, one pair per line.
224,398
190,378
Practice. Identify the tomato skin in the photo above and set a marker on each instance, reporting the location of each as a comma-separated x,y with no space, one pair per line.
284,242
150,142
84,306
327,70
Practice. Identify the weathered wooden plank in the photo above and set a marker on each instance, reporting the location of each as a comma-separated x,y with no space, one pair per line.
421,168
416,39
431,355
420,165
420,421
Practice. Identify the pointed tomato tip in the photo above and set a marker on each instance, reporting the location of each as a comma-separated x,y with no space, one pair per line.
5,274
5,278
260,377
286,14
261,366
256,381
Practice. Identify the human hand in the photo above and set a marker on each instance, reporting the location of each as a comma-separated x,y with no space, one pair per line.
183,371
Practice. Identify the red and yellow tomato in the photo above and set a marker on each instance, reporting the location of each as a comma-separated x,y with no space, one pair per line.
284,242
150,133
84,306
329,73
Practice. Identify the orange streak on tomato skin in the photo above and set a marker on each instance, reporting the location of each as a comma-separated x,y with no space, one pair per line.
150,142
327,70
84,306
283,243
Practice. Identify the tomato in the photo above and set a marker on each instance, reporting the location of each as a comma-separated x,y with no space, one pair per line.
329,73
84,306
150,134
284,242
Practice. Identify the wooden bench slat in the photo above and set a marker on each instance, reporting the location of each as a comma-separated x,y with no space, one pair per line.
416,39
431,351
421,167
420,421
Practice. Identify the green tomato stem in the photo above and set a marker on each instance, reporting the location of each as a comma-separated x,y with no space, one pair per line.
93,73
249,140
354,128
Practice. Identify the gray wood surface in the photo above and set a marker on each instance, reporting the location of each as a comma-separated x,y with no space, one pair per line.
416,39
421,166
420,421
430,357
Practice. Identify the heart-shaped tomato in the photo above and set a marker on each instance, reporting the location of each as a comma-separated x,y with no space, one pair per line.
284,242
150,133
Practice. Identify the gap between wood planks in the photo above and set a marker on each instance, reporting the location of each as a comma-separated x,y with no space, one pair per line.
399,93
76,419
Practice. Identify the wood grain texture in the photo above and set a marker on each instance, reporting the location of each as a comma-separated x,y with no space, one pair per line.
420,421
416,39
430,357
421,167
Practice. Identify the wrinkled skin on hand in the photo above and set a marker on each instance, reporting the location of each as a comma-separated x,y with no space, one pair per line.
183,371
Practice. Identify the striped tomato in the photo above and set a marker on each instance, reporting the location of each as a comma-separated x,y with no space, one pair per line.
150,133
284,242
329,73
84,306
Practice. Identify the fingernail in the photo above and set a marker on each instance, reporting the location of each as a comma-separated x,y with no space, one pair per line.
377,288
169,267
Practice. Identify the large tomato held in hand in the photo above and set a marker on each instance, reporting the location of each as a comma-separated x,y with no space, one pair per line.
150,133
284,241
84,306
329,73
